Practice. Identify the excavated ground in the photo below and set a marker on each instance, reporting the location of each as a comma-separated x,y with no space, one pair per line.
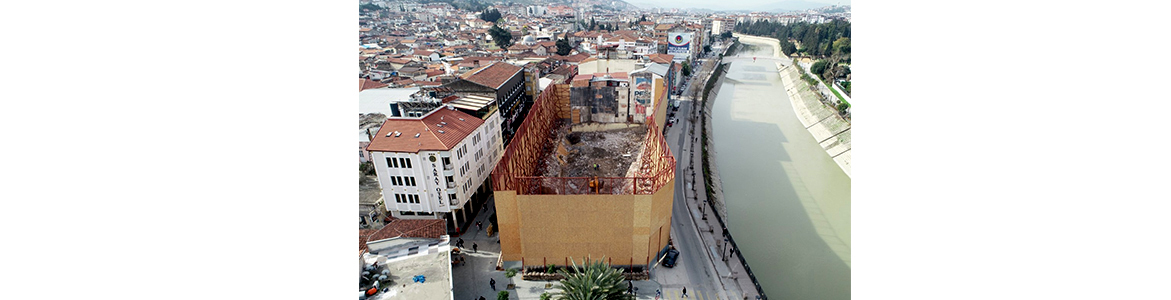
576,154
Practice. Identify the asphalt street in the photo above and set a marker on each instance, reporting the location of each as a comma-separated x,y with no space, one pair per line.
692,269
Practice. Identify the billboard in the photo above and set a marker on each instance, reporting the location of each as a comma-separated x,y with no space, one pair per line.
679,45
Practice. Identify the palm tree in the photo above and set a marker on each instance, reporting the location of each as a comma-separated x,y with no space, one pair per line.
594,281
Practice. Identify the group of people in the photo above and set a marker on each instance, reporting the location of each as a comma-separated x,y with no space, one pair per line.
460,244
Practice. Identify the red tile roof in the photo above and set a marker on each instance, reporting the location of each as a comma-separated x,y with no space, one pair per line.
661,58
365,84
428,129
493,76
576,58
403,228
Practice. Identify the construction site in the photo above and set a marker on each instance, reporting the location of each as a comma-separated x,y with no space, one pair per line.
569,189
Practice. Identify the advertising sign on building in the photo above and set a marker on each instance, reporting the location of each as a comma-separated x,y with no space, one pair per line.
642,88
679,45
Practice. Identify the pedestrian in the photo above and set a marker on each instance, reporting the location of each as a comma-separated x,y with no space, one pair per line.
493,284
658,294
482,298
475,248
479,225
684,292
630,287
460,243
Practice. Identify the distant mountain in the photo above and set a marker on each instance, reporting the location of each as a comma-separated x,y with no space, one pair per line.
790,5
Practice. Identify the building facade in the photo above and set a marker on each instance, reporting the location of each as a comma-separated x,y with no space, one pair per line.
502,81
432,166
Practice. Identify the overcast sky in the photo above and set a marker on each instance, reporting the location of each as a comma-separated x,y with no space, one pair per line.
725,5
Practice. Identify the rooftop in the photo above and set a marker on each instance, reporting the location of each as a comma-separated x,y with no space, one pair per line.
402,228
440,130
435,268
493,75
379,100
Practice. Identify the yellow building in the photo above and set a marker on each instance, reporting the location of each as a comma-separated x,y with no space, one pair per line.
618,209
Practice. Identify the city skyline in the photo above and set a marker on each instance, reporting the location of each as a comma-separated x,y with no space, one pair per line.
762,5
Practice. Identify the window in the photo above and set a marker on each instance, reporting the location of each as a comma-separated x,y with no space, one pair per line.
398,198
391,162
408,160
406,213
449,179
447,161
451,196
412,181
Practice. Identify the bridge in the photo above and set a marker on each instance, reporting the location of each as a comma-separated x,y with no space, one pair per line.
782,60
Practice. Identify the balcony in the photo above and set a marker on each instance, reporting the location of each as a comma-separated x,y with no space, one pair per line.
451,185
447,167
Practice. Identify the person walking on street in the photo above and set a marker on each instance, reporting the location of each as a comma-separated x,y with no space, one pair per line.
475,248
684,292
493,284
460,243
479,225
482,298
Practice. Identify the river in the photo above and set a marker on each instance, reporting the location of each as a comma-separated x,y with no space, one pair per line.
788,202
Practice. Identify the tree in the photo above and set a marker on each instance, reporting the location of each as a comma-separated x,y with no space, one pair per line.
818,67
594,281
788,47
707,48
686,69
491,15
510,273
501,37
726,35
563,47
502,295
370,7
642,19
842,45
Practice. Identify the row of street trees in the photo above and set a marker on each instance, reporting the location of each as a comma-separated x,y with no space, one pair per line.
815,39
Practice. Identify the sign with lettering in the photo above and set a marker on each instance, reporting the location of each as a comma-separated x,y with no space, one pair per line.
679,45
435,174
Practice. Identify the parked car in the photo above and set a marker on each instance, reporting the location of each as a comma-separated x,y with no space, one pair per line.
671,256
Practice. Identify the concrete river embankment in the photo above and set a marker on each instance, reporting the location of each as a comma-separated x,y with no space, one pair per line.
787,200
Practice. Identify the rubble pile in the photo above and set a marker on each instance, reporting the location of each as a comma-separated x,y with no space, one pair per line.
607,153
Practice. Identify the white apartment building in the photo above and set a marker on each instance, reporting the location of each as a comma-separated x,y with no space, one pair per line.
429,167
